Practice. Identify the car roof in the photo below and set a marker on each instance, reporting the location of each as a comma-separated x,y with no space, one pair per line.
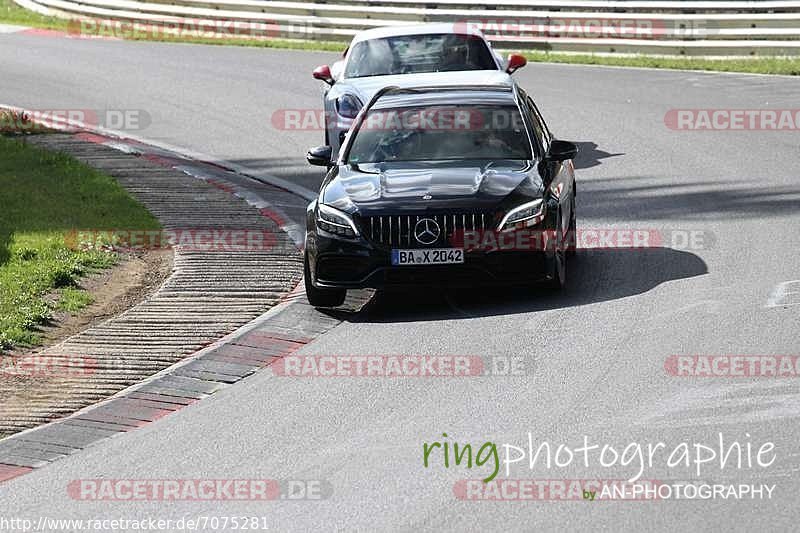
416,29
456,95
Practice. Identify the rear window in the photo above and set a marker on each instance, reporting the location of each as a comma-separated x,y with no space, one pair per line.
410,54
440,133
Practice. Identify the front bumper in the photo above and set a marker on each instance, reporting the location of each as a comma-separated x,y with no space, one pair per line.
358,263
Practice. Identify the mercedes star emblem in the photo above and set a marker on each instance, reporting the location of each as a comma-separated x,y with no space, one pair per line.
427,231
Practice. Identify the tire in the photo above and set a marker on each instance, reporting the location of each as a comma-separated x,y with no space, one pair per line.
558,265
572,236
321,297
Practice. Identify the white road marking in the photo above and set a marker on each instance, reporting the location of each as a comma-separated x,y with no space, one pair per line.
782,295
8,28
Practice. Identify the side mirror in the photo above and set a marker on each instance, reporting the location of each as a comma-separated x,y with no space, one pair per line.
323,73
561,150
319,156
515,61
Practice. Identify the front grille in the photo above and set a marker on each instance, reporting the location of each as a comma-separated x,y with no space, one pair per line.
397,230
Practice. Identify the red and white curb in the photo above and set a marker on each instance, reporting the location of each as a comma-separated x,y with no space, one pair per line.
284,329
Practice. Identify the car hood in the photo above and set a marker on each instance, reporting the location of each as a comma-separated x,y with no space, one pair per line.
365,88
425,186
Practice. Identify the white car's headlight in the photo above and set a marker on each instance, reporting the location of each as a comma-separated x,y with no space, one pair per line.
527,214
335,221
348,106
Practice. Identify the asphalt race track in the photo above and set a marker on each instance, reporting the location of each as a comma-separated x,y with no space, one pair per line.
597,351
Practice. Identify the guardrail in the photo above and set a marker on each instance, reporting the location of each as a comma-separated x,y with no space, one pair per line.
709,28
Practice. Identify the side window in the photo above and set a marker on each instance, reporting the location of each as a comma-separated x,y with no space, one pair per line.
540,143
547,136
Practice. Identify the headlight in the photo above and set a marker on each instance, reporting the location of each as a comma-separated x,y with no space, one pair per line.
335,222
524,215
348,106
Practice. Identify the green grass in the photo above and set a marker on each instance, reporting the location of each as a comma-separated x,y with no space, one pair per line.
72,299
13,14
44,196
757,65
285,44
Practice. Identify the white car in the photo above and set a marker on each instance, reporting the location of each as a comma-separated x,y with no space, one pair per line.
407,56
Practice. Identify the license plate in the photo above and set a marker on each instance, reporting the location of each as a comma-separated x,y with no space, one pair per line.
433,256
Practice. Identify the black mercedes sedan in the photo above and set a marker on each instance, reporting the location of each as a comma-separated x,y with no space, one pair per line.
442,186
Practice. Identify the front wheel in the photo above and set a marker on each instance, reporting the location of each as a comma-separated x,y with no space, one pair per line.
557,266
572,235
319,297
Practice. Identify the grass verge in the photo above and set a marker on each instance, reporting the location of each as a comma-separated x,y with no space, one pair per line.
756,65
11,13
44,196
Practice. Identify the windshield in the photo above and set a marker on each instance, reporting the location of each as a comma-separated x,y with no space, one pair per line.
439,133
409,54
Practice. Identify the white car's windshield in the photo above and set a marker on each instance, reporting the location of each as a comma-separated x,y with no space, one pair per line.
409,54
